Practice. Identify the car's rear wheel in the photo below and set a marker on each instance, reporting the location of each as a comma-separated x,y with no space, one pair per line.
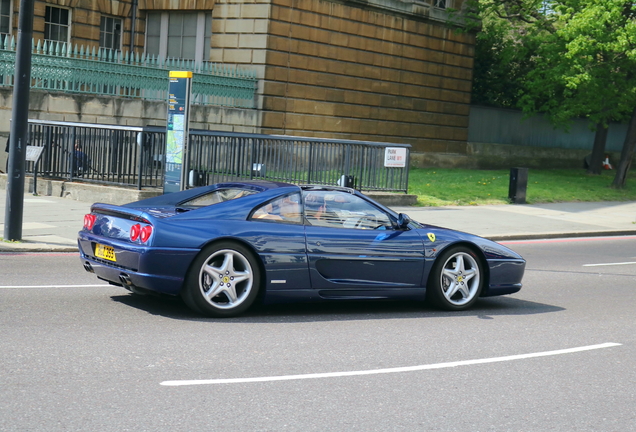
456,279
224,280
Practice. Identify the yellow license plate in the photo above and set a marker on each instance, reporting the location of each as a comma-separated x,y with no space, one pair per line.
105,252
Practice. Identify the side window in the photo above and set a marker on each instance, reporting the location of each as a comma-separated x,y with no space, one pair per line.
285,209
217,196
342,210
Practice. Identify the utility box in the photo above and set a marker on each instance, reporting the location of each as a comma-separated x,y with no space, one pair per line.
518,185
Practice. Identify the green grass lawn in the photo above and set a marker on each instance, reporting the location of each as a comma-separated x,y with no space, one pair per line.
438,187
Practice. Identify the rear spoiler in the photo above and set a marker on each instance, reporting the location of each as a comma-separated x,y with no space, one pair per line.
120,212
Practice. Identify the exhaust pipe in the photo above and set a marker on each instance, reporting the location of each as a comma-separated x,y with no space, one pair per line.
88,267
127,283
125,280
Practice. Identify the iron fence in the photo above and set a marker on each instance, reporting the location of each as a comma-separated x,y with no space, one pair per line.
57,66
134,156
219,156
102,154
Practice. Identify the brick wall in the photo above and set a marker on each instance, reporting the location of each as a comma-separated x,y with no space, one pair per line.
336,69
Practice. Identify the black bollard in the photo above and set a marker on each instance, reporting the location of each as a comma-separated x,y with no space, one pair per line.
518,185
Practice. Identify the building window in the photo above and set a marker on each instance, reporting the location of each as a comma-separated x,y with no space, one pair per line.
5,20
57,24
442,4
5,16
110,33
180,35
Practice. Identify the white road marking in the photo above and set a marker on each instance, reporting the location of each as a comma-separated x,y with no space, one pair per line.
609,264
389,370
50,286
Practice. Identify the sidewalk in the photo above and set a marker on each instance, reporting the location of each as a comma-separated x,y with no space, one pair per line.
50,224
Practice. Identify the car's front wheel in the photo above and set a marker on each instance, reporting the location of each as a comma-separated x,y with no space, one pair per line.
224,281
456,280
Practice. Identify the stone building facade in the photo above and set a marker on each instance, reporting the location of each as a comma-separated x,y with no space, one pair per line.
381,70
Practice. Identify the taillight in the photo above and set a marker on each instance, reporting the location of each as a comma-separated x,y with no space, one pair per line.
135,230
146,231
141,233
89,221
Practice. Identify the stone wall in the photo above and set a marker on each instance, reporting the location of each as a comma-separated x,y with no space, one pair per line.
240,30
380,70
123,111
504,156
345,70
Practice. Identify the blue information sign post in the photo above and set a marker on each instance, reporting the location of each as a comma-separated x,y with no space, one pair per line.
177,132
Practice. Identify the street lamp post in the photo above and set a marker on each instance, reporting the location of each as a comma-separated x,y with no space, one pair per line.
19,125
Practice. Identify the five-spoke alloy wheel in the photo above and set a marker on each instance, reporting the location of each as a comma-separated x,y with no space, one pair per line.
224,280
456,279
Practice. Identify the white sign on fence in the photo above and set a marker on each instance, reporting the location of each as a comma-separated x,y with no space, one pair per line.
33,153
395,157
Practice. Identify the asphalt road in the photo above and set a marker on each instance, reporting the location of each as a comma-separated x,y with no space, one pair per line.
76,356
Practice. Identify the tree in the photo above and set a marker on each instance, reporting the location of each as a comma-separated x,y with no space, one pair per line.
502,61
583,63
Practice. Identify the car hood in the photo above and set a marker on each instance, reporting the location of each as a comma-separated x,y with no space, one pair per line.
439,238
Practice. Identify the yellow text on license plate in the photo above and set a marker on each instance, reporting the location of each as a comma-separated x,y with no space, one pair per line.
105,252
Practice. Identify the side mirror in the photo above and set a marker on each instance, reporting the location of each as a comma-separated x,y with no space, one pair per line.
403,221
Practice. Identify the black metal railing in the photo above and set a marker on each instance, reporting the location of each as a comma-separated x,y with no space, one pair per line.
106,154
133,156
220,156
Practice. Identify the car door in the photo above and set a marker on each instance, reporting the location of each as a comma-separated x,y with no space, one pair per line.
278,235
351,243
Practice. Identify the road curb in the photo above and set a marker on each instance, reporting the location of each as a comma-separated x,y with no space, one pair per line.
519,237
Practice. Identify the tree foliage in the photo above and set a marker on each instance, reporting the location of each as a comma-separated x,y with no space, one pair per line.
502,62
568,58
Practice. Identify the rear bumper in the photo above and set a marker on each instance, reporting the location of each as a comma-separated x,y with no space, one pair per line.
160,270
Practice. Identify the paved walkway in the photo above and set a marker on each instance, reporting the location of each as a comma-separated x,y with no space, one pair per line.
51,223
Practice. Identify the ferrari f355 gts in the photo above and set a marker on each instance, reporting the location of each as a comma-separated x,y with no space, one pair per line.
226,246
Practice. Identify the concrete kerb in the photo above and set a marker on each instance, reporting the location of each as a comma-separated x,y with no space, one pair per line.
29,247
548,236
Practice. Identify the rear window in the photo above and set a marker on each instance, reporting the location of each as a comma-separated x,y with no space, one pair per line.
217,196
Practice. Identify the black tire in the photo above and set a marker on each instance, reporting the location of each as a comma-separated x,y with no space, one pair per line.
224,281
456,280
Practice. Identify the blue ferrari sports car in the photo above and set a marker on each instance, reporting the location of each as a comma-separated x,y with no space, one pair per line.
224,247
